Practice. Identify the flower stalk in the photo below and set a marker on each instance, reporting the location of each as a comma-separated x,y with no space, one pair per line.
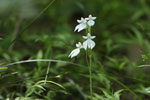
90,68
90,73
88,45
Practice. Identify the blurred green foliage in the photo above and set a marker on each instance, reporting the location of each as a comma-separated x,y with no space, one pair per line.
122,33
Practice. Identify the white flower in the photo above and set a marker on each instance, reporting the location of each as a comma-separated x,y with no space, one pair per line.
88,43
76,51
82,24
91,20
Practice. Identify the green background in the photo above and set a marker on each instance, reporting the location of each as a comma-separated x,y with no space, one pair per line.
44,29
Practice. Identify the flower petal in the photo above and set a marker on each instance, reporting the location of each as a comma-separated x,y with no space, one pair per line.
74,53
93,18
86,18
76,28
81,27
90,16
85,44
92,37
79,45
91,43
88,35
91,22
79,21
84,37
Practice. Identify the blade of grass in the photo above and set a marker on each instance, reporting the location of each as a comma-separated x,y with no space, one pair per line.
36,60
143,66
127,88
43,81
12,42
48,67
47,72
77,87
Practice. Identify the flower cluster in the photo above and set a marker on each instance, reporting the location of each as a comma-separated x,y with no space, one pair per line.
84,23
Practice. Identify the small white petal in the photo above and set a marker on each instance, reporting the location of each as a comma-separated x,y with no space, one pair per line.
81,27
85,37
90,16
85,44
93,18
88,35
79,21
76,28
87,18
82,24
91,22
91,44
92,37
82,19
74,53
88,44
79,45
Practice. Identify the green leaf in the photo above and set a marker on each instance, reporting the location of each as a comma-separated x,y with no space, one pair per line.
52,82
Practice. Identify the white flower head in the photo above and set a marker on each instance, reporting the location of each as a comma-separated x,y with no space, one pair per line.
79,45
91,21
76,51
82,24
88,43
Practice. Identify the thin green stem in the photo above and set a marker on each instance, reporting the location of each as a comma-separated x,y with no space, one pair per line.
48,68
47,72
90,73
126,87
43,10
89,59
89,30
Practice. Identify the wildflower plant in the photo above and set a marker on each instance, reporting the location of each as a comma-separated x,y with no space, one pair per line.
87,45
